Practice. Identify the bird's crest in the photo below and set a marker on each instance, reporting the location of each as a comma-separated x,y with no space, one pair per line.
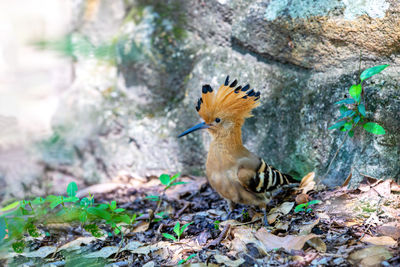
235,102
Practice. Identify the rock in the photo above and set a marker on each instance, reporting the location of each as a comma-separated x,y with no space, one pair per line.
124,111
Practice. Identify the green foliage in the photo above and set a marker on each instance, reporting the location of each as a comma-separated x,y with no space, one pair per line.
168,182
374,128
178,230
372,71
305,206
352,110
76,46
216,225
23,217
188,258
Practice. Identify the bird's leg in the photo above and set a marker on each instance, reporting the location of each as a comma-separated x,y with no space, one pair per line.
231,208
265,217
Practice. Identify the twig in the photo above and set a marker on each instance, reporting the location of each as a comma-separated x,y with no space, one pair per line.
178,214
220,237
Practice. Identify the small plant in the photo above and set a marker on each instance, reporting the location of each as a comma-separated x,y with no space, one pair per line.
305,206
178,231
245,215
182,261
216,225
168,182
352,109
23,218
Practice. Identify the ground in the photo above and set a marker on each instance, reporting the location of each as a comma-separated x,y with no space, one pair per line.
348,227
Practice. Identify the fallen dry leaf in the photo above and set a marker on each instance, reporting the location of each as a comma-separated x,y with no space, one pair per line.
221,259
301,199
317,243
305,229
307,183
383,188
289,242
241,236
379,240
142,226
371,256
347,181
283,209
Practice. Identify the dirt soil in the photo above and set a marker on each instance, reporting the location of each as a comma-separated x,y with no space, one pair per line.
350,227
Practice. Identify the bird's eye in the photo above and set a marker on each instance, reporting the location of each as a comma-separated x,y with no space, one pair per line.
217,120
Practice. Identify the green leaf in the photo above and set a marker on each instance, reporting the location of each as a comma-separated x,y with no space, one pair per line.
71,199
38,201
348,113
164,179
72,189
169,236
299,207
123,218
117,231
85,202
337,125
119,210
348,125
133,220
32,230
351,133
177,228
184,227
313,202
83,216
19,246
56,202
102,206
153,198
372,71
94,230
374,128
175,177
346,101
343,109
176,183
10,206
182,261
361,109
355,92
113,205
357,119
99,213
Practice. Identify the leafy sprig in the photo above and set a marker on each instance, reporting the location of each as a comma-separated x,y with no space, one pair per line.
353,111
178,230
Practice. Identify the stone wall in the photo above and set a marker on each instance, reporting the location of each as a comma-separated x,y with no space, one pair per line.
124,111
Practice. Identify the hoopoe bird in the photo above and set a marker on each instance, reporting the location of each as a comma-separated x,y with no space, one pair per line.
237,174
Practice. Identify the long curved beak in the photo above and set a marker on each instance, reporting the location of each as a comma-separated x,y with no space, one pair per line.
199,126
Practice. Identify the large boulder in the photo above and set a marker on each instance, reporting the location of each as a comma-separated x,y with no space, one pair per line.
126,106
301,57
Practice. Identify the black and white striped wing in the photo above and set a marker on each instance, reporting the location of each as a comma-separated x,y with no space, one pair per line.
267,178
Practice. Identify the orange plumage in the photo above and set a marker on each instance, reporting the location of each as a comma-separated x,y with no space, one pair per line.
234,172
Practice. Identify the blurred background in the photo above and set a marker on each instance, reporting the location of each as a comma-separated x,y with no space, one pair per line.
97,90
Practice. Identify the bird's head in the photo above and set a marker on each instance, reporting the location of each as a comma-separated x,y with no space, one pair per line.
226,109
